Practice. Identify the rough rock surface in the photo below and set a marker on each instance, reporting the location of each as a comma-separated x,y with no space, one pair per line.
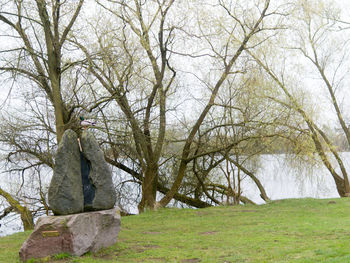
100,173
65,192
74,234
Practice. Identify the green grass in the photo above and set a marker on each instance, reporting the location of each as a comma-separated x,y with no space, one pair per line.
296,230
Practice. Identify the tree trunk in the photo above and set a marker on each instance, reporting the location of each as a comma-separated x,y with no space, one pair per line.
27,219
54,43
26,215
149,188
195,202
257,182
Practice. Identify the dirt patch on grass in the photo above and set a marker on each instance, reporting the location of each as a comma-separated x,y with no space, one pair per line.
140,249
191,260
203,213
152,233
151,246
158,259
208,233
105,257
6,246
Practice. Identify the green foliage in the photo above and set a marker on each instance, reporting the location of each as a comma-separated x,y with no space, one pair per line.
295,230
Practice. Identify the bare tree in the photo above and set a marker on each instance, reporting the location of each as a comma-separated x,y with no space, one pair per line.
39,31
134,63
228,59
33,55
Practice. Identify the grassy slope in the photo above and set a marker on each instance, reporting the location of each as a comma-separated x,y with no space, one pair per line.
304,230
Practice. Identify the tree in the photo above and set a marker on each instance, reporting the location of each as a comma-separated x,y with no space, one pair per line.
316,24
32,52
244,124
39,32
134,63
118,79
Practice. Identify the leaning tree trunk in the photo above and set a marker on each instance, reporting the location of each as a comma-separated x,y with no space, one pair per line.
26,215
257,182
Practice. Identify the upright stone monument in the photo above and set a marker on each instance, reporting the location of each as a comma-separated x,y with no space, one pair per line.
82,197
100,174
65,191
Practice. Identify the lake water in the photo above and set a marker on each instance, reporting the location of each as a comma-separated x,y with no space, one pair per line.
279,177
282,180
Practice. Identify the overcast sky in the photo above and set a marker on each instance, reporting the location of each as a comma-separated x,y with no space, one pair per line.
6,85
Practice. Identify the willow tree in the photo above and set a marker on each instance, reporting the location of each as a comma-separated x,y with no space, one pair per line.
240,27
319,45
135,58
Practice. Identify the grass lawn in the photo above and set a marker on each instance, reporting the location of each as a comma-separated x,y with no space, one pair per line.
295,230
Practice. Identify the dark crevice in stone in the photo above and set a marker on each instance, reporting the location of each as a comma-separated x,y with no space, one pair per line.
88,187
